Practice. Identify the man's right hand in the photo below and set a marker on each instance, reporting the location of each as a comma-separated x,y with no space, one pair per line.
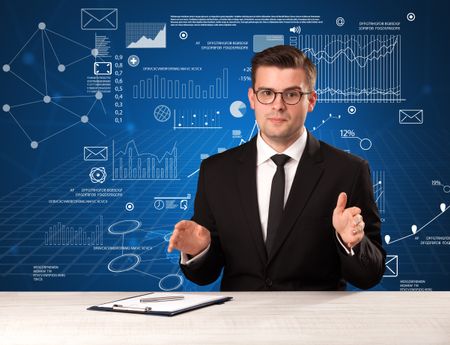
189,237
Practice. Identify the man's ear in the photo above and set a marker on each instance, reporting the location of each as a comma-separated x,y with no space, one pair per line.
312,99
251,97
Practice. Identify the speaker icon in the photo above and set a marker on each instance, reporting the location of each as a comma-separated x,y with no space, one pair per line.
295,29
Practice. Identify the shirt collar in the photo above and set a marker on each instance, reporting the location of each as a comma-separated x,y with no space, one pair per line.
294,151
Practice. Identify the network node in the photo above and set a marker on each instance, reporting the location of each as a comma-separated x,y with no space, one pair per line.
34,144
94,52
61,68
47,99
98,95
84,119
41,26
6,68
6,108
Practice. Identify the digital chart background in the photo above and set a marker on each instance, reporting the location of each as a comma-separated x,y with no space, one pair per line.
108,109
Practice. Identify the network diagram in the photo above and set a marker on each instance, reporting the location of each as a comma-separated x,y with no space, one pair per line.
48,51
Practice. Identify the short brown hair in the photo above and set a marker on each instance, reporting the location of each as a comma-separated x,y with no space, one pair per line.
285,57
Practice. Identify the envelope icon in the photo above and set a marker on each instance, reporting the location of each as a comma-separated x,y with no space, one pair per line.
95,153
391,266
410,116
99,18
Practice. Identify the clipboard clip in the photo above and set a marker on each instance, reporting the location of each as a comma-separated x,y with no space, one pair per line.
122,307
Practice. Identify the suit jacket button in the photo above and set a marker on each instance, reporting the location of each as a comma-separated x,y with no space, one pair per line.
268,282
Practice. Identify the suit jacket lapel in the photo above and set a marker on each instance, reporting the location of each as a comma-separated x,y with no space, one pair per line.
308,174
248,196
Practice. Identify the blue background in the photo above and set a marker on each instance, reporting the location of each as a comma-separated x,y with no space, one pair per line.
409,157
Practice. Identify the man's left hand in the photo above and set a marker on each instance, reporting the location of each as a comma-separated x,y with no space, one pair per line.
348,222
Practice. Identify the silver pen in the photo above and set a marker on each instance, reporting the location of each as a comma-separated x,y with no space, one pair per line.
161,299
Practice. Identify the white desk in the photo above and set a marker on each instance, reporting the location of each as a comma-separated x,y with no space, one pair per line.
328,318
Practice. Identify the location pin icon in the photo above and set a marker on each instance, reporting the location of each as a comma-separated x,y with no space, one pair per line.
414,228
442,207
387,239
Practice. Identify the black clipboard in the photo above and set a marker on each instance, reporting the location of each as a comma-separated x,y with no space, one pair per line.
154,309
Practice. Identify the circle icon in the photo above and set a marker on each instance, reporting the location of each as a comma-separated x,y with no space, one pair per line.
183,35
133,60
238,109
170,282
351,110
411,16
162,113
123,263
365,144
340,21
129,206
123,227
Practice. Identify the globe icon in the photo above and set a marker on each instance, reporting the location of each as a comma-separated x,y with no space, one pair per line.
162,113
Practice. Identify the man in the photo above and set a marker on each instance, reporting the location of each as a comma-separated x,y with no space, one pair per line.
283,211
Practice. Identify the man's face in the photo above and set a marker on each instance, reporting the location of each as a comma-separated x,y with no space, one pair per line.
280,123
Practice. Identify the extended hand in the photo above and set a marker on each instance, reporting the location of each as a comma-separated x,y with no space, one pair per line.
189,237
348,222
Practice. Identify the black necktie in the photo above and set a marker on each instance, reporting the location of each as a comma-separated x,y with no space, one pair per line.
276,204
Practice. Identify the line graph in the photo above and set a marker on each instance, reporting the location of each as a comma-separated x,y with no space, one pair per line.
355,68
414,229
330,116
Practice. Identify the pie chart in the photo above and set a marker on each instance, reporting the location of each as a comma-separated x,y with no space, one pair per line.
238,109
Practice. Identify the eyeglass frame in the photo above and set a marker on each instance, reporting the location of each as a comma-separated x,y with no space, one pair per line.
281,93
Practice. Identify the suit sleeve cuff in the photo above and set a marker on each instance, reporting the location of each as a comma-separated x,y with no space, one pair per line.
188,259
349,252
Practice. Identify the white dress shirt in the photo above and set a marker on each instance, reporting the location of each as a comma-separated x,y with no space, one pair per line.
266,168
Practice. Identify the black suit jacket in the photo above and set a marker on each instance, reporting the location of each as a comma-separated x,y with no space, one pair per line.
306,254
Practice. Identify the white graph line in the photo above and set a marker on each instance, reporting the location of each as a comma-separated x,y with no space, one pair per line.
355,68
192,174
331,116
252,133
379,196
414,233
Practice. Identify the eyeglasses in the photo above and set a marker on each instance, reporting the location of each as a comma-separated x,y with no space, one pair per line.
291,97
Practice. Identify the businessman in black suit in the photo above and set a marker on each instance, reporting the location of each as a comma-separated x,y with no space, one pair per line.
283,211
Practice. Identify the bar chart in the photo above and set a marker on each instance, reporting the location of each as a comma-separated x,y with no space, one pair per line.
60,234
130,164
159,87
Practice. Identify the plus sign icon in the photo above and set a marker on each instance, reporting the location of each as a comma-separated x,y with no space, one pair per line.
133,60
